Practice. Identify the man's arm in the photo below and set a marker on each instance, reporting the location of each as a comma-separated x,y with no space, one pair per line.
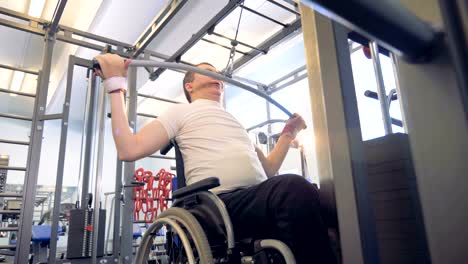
275,158
129,146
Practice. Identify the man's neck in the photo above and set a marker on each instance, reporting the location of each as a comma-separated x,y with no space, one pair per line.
218,100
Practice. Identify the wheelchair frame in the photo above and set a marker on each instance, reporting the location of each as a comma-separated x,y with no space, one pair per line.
188,197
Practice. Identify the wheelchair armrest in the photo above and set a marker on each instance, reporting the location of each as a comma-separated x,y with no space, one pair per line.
203,185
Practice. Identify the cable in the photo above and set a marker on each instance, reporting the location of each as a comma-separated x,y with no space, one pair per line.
230,64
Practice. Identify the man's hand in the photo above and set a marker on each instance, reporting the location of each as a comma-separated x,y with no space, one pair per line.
112,65
293,126
113,71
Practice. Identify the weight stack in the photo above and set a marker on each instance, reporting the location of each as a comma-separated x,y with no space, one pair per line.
80,234
395,200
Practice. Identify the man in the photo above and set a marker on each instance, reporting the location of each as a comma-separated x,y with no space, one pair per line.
214,143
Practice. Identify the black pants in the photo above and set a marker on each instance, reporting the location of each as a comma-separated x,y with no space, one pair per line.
286,208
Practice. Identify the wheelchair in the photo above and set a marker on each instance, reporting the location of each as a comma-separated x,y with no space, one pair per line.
197,229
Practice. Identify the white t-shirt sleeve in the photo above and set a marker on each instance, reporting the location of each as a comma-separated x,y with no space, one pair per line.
171,120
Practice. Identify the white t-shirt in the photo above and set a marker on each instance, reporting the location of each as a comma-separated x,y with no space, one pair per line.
213,143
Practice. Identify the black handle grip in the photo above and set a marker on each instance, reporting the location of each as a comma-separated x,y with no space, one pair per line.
96,65
375,96
371,94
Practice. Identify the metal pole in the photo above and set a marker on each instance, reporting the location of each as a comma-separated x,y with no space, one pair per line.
99,165
159,98
127,216
269,121
17,93
88,130
117,210
396,75
270,144
384,108
33,160
61,162
171,65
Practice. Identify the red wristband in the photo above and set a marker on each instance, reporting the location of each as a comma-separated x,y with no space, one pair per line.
289,131
117,91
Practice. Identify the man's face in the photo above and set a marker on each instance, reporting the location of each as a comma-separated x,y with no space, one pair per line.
204,86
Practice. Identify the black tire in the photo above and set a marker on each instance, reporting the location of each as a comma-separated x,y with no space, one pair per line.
193,232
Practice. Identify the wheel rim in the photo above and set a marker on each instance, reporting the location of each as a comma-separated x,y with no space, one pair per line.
173,251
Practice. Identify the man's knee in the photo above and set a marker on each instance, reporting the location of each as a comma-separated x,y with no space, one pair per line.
297,190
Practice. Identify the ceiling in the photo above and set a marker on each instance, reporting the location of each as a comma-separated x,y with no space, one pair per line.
122,21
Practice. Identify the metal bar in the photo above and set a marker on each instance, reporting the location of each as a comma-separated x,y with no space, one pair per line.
12,168
81,43
7,252
16,117
33,160
18,69
147,115
161,157
68,39
387,22
287,76
61,161
239,42
374,95
95,37
18,93
384,107
396,75
284,7
99,166
156,26
21,27
356,147
7,246
270,140
126,252
170,65
222,46
117,210
20,15
291,82
292,2
264,16
334,159
457,37
397,122
57,15
292,29
17,195
51,117
271,121
245,80
231,5
158,98
81,173
83,62
8,229
34,30
14,142
89,127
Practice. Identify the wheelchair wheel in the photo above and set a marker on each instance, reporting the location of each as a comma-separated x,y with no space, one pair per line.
175,237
